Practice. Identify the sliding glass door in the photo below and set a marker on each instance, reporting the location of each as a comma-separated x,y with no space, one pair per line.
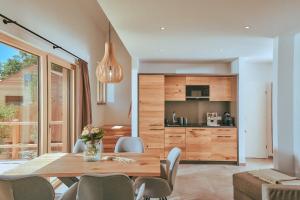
19,103
60,102
36,102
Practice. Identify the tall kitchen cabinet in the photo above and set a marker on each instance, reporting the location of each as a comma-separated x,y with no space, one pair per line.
152,112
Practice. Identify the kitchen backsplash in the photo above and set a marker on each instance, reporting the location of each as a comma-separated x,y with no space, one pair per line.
195,111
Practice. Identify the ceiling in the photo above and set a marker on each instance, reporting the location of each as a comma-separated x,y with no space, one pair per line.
201,29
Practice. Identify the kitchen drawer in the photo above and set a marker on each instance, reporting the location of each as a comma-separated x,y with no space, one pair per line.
175,130
175,140
224,131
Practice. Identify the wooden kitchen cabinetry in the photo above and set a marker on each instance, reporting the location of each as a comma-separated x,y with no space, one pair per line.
175,88
221,89
198,144
175,137
211,144
224,144
151,113
198,80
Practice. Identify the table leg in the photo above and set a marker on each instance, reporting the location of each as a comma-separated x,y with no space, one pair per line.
68,181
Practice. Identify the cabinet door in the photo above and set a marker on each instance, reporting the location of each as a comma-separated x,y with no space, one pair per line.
175,137
224,144
198,80
151,112
175,88
221,89
198,144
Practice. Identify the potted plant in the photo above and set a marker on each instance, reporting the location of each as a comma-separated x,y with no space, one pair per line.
92,138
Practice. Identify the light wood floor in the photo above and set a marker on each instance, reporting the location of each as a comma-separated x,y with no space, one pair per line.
208,181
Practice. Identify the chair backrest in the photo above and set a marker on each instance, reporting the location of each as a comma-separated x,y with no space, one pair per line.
80,146
129,144
103,187
172,164
25,188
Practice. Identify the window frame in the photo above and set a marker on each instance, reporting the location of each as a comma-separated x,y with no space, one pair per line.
43,89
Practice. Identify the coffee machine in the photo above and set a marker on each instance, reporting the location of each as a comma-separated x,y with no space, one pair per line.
213,119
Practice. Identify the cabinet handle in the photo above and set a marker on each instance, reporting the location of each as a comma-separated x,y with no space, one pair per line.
224,130
198,129
224,136
156,129
176,136
155,125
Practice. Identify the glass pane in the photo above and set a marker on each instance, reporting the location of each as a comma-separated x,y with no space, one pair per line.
18,103
59,97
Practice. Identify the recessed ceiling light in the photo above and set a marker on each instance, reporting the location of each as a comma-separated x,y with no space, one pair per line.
162,28
247,27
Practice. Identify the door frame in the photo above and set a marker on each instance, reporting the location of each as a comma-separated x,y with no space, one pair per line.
71,108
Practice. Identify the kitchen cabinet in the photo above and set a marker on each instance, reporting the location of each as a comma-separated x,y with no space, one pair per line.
151,113
211,144
198,80
175,137
198,144
221,89
224,144
175,88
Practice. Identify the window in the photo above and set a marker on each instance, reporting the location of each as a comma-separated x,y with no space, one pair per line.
19,103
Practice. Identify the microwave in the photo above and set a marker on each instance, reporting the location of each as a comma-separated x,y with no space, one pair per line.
197,92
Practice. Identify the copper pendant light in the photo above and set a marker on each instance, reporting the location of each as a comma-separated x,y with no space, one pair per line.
108,69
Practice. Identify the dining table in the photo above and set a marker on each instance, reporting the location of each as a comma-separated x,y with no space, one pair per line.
70,165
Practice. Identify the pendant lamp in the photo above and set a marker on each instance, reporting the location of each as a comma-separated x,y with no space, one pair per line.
108,69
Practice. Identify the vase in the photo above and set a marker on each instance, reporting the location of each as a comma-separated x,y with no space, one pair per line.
92,151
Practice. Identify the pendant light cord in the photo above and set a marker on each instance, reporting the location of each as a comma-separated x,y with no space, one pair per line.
109,31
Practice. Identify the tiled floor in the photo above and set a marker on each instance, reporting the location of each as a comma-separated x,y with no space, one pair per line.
196,181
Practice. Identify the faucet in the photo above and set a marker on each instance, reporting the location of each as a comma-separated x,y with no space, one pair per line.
174,118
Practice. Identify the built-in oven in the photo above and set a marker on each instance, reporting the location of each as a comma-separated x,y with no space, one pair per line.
197,92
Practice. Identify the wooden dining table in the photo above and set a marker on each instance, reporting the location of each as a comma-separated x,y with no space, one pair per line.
73,165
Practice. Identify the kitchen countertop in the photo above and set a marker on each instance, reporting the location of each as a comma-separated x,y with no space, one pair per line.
196,125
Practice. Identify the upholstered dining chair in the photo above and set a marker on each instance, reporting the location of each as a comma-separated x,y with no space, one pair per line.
79,146
25,188
163,186
129,144
103,187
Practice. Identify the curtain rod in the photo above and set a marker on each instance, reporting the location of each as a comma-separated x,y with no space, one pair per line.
7,20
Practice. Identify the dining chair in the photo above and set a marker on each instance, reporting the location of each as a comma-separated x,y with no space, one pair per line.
129,144
25,188
161,187
103,187
80,146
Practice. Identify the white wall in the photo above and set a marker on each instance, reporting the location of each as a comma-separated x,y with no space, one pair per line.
78,26
254,80
286,126
296,105
118,103
181,67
